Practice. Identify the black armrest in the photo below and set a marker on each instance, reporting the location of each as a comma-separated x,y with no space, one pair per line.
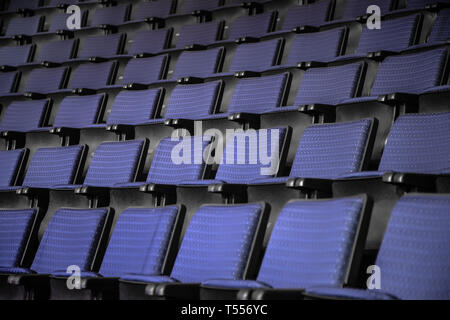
21,37
183,291
277,294
253,5
158,188
135,86
195,47
227,188
92,191
380,55
24,11
246,74
106,2
159,22
63,131
252,119
202,13
437,6
246,40
305,29
426,181
244,294
100,284
325,110
34,95
362,19
179,123
68,33
48,64
310,64
190,80
97,59
108,27
62,6
32,192
6,68
143,55
311,184
32,280
120,128
393,99
83,91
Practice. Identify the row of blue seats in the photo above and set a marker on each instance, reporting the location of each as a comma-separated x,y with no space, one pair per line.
314,245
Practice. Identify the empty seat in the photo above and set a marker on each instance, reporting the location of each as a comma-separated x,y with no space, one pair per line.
358,8
16,240
45,80
15,56
26,26
411,73
193,101
16,5
11,165
58,24
93,76
79,111
142,241
421,4
72,237
134,107
153,9
98,47
110,16
252,26
56,3
412,256
190,6
144,71
256,56
113,163
57,51
201,34
441,28
199,64
313,15
329,151
221,242
8,82
149,42
305,249
24,116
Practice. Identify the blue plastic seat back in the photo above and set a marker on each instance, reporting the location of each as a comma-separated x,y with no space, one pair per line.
251,26
45,80
92,75
134,107
217,243
312,243
23,4
9,166
258,56
316,46
200,33
160,9
145,70
57,51
178,160
421,4
411,73
200,64
357,8
418,143
257,95
24,25
78,111
110,15
330,150
15,228
71,238
193,101
441,27
24,116
149,41
329,85
101,46
190,6
139,242
114,163
307,15
7,81
395,35
413,256
15,56
53,166
250,155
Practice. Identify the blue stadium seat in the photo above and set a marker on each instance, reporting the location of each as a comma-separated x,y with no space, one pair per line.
24,26
358,8
53,53
100,48
441,30
12,163
110,17
198,64
148,43
8,83
421,4
88,230
190,6
17,5
247,28
11,57
220,242
304,250
199,35
24,116
153,9
89,77
310,16
411,267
